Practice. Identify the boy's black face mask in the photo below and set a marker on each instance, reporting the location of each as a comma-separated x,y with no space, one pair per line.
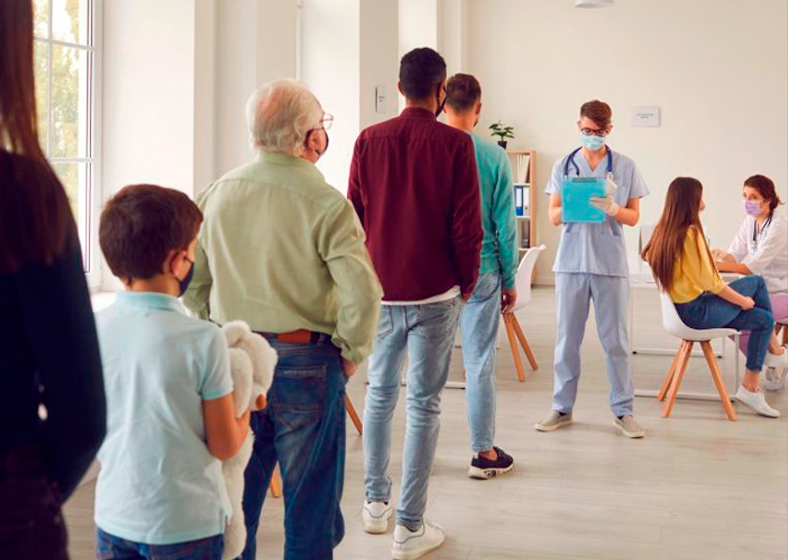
183,285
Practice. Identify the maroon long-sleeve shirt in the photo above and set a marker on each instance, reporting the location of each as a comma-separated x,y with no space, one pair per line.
415,187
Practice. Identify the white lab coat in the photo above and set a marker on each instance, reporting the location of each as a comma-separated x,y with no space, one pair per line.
767,254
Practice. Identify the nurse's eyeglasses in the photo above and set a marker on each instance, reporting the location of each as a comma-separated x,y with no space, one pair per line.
594,132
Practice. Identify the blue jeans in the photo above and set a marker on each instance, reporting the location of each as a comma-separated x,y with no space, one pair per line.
302,428
109,547
427,333
479,323
709,311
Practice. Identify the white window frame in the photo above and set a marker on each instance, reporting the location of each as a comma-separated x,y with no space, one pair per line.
92,202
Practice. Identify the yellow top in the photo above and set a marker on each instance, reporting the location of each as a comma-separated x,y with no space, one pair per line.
694,272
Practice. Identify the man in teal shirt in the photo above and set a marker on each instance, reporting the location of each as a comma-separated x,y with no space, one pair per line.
495,290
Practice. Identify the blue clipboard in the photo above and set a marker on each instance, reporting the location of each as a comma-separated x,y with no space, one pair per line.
575,195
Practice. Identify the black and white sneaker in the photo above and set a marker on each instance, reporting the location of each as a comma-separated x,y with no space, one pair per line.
482,468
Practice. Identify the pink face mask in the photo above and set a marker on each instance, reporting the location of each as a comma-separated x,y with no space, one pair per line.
752,207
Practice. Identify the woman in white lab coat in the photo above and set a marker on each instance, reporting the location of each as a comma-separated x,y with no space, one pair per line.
761,247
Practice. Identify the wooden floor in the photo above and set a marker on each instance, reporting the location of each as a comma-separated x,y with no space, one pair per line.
697,487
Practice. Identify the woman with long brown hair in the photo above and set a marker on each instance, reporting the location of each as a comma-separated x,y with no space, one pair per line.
52,411
684,268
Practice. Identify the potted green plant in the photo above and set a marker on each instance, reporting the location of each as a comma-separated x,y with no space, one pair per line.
503,132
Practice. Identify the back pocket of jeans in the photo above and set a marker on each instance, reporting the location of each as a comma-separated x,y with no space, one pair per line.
299,388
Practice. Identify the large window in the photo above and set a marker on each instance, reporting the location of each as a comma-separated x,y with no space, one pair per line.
65,98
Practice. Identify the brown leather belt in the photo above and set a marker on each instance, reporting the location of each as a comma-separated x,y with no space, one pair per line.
301,336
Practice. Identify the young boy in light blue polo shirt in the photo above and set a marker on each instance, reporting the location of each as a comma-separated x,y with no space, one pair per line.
170,410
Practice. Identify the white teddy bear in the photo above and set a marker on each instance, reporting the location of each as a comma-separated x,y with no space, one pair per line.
252,363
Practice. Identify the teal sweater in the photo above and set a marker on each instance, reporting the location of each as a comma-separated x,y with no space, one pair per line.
499,248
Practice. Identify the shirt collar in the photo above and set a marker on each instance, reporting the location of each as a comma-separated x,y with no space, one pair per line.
417,112
149,300
286,160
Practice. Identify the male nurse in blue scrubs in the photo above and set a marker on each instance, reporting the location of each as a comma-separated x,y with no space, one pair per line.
591,265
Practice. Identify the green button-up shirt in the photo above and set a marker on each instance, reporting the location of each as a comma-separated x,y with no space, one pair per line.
283,250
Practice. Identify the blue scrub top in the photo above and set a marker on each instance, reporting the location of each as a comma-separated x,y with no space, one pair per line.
596,248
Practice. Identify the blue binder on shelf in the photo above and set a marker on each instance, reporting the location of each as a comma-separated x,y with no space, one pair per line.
519,199
575,195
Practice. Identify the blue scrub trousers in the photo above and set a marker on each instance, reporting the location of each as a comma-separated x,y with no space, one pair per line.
610,295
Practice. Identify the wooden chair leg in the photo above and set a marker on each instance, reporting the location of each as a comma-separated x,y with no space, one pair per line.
276,483
663,390
717,376
351,410
518,364
675,383
520,335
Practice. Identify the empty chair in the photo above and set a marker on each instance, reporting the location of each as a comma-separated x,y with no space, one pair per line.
674,326
513,329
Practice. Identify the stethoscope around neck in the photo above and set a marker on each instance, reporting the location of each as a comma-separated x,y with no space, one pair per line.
571,159
757,232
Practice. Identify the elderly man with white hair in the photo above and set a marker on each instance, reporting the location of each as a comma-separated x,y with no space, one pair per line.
284,251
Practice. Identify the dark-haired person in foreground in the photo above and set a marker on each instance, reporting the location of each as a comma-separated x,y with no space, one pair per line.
415,187
495,292
52,410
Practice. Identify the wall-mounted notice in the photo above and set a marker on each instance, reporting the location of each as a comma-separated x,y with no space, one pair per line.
645,116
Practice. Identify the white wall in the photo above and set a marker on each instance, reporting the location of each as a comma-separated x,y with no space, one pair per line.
148,94
379,58
718,70
330,66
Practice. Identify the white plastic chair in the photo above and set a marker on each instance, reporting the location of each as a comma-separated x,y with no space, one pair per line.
672,382
513,329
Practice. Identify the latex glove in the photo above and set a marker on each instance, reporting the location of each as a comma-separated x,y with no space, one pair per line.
606,204
722,256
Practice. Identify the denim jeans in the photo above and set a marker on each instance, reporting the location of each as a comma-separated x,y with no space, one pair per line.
302,428
709,311
109,547
427,333
479,323
779,312
31,524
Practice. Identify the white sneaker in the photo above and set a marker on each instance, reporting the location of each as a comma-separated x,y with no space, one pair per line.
409,545
776,361
774,378
376,516
756,401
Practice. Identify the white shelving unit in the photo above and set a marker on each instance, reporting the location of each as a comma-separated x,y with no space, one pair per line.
523,164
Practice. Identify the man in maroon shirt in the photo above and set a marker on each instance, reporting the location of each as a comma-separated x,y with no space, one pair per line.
414,184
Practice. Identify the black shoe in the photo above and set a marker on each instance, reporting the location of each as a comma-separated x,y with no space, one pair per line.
482,468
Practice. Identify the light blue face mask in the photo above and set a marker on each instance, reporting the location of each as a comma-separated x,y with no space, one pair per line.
592,143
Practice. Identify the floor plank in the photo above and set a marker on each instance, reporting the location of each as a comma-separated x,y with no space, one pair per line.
697,487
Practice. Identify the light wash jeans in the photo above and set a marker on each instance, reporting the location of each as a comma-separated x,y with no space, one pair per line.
427,333
479,323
